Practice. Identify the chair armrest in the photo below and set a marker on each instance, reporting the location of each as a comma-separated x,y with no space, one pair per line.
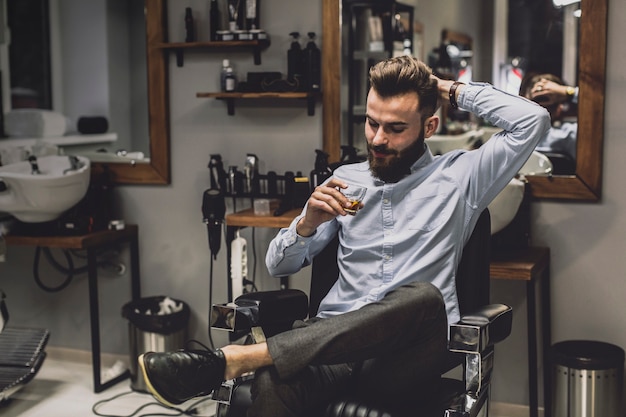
259,309
480,329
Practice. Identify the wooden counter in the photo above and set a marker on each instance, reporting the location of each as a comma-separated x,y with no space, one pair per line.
92,243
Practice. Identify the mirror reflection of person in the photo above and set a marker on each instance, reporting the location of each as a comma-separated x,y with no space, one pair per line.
382,328
558,98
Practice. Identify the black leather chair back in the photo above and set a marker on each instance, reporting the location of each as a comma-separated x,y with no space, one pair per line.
472,279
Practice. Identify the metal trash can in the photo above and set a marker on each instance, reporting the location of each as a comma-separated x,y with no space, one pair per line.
154,326
587,379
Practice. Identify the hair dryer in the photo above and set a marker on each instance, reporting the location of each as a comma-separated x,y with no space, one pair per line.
213,211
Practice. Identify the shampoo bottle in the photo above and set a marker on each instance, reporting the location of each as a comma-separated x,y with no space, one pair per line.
294,60
190,33
228,79
252,14
312,64
214,20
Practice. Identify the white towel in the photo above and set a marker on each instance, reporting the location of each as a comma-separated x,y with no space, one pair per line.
35,123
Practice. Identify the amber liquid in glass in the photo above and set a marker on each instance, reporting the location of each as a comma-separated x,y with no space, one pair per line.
354,207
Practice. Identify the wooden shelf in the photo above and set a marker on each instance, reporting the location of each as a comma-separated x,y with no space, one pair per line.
526,264
247,218
95,239
230,98
179,47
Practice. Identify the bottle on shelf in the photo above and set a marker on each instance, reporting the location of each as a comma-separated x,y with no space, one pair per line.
214,20
312,64
190,32
294,60
252,14
322,169
228,78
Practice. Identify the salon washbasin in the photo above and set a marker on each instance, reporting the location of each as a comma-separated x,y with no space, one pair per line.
537,164
41,189
506,204
440,144
504,207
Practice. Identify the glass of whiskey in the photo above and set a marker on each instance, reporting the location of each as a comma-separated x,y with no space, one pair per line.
355,195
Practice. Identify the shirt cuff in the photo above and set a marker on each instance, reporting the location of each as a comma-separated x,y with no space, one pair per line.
468,94
293,238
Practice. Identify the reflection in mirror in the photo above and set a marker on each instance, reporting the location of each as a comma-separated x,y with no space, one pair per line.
91,69
536,38
491,62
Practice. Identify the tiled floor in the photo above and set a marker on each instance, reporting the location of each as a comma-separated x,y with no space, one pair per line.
64,388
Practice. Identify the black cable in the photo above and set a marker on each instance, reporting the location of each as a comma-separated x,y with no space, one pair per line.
38,280
70,270
191,410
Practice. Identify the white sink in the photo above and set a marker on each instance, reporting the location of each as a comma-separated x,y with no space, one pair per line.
31,197
537,164
504,207
440,144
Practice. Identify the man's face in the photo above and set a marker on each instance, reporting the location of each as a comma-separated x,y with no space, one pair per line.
395,134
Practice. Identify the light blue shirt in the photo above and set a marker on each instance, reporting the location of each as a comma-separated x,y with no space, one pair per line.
561,138
415,229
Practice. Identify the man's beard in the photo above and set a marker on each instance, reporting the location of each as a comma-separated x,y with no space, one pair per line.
399,166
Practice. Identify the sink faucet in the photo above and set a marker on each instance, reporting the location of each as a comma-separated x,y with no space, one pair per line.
75,164
33,165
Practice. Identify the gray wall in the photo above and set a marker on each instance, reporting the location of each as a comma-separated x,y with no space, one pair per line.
587,240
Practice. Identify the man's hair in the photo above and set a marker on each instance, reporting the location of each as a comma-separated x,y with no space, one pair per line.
405,74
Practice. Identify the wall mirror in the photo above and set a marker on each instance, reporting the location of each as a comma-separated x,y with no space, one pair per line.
157,171
586,183
94,58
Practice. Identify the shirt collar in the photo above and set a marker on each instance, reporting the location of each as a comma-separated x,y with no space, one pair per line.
425,159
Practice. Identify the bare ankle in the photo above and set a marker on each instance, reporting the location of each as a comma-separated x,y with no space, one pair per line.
241,359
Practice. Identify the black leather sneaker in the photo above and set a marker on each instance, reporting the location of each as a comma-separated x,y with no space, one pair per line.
175,377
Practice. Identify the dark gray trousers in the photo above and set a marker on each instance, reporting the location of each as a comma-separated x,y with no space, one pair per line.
389,351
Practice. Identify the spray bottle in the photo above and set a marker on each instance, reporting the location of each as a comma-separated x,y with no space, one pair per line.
322,170
312,64
294,59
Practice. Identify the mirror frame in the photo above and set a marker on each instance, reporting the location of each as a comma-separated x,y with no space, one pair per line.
157,171
586,183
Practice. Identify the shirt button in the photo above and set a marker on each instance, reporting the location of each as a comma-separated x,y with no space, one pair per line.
386,201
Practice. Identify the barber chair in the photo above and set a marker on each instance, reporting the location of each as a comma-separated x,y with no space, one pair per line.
471,343
21,353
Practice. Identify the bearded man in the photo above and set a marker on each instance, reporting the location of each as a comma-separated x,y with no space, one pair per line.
381,331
